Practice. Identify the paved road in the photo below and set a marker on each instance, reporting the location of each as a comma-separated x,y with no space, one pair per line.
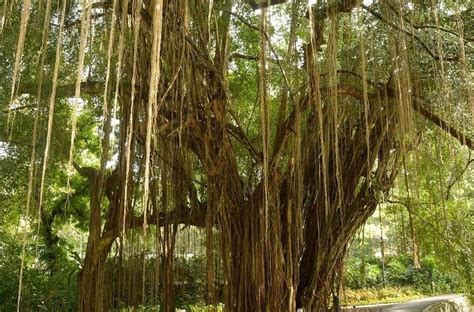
413,306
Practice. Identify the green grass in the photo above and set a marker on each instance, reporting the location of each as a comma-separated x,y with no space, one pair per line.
190,308
204,308
379,295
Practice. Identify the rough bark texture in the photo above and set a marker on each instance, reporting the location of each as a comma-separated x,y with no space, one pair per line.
92,274
282,244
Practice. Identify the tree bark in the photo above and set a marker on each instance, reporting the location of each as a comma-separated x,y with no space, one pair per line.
91,280
91,286
382,247
414,241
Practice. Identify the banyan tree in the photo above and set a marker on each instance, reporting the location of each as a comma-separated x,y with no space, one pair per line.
276,127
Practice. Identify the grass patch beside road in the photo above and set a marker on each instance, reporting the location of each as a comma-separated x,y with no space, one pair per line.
367,296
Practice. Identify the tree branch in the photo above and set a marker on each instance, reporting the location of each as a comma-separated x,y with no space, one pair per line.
447,30
87,172
260,4
184,215
456,178
87,87
442,124
410,33
448,241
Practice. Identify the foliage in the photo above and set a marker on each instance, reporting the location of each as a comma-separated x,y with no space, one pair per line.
45,289
438,203
400,272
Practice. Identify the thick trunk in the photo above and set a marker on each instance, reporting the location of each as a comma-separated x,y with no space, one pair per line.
91,281
259,252
259,280
261,227
91,286
318,268
91,276
323,256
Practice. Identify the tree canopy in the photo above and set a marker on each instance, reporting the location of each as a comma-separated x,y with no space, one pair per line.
269,131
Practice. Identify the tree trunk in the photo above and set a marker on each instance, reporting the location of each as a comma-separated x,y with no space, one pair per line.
403,234
414,241
91,281
271,262
382,247
168,287
91,286
363,273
